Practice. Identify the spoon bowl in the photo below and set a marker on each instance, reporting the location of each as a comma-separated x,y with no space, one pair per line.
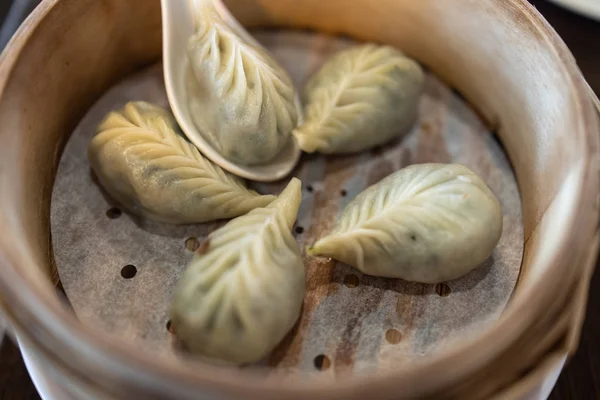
178,26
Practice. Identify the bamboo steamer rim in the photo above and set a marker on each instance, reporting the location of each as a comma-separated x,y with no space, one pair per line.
120,364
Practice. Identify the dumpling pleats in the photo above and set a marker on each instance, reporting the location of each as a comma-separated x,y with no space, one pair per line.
240,99
426,223
243,291
362,97
151,170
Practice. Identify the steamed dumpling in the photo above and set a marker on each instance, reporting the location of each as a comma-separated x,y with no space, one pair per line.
240,99
243,291
144,164
362,97
426,223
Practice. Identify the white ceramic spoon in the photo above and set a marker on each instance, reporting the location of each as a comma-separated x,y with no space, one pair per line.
178,19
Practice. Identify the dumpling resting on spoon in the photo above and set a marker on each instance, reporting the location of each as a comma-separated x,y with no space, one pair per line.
425,223
244,289
240,99
151,170
361,97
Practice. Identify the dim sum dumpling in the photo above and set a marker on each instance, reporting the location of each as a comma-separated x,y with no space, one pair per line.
244,289
144,164
426,223
362,97
240,99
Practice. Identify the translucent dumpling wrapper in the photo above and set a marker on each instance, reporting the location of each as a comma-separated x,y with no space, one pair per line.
240,99
146,165
426,223
362,97
244,289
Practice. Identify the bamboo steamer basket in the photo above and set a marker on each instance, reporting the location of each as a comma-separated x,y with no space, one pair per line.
503,57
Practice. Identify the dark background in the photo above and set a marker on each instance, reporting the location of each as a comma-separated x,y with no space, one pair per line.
580,379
